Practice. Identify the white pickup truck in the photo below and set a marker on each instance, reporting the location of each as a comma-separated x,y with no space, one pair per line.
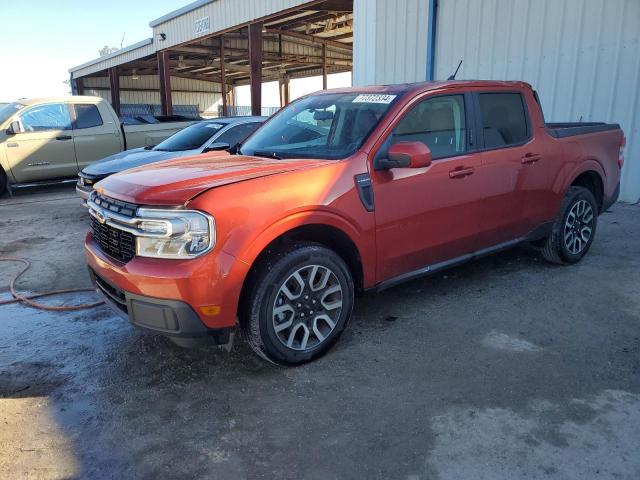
50,139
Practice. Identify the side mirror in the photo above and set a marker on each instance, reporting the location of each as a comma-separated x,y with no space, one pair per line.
405,155
216,147
14,128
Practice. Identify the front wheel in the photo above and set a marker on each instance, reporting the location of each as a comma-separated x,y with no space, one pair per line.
574,229
3,182
300,301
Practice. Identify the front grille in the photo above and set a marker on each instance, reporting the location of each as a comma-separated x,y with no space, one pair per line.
117,206
118,244
114,242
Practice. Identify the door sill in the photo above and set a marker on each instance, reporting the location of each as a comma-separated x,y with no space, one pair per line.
437,267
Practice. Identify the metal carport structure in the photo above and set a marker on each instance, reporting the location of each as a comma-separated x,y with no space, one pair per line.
197,54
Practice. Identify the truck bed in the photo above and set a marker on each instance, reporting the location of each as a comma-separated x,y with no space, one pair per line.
570,129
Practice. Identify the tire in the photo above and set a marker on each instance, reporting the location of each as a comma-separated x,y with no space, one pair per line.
574,229
3,182
299,301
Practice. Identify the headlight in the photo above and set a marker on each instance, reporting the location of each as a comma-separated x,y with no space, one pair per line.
174,233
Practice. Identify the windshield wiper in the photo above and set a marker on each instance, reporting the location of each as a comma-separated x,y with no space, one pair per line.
266,154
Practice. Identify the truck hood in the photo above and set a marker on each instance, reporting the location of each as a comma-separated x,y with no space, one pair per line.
136,157
175,182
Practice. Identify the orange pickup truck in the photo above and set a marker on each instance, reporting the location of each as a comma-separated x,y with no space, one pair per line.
341,192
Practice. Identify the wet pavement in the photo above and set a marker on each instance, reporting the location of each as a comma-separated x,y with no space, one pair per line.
500,369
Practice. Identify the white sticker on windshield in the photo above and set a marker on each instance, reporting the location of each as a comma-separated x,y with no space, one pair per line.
373,98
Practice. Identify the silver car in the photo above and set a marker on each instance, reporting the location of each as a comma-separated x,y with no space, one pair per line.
224,133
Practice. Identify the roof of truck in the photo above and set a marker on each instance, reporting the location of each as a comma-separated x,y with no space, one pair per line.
423,86
62,98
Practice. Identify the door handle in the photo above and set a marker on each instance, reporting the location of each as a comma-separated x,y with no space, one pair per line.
461,172
64,137
530,158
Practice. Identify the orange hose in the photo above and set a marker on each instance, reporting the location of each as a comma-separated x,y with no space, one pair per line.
27,300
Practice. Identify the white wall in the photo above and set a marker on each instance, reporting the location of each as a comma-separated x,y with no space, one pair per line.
390,41
582,56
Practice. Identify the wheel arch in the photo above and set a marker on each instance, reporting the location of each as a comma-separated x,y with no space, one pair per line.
593,181
324,234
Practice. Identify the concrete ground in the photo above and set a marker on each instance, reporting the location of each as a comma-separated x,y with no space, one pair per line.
506,368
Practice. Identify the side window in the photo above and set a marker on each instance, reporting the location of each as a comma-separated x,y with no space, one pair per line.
87,116
53,116
237,134
504,120
438,122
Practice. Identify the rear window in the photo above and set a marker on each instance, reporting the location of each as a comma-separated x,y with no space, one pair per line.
504,119
87,116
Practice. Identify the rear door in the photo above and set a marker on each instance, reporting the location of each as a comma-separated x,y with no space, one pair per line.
43,149
425,216
511,156
95,134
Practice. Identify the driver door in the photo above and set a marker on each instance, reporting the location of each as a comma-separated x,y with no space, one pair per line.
425,216
43,149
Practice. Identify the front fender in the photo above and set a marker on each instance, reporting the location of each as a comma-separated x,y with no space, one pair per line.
317,216
4,162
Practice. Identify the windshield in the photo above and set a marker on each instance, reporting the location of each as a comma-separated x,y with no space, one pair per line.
190,138
331,126
8,110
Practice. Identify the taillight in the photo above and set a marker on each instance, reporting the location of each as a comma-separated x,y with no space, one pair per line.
623,142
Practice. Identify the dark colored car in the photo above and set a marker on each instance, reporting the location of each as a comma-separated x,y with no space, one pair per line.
219,134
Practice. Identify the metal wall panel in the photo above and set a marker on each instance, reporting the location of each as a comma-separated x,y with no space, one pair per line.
184,91
390,41
582,56
222,14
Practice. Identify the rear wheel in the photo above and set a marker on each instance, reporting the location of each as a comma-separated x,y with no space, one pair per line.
574,229
299,303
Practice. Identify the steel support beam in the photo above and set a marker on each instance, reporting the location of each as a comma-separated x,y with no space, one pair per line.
431,39
324,66
223,78
255,63
165,83
284,91
77,86
114,87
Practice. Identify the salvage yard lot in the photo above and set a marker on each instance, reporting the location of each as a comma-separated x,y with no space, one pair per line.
500,369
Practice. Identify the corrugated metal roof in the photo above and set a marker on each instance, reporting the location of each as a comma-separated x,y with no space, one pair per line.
127,54
222,15
583,57
179,12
